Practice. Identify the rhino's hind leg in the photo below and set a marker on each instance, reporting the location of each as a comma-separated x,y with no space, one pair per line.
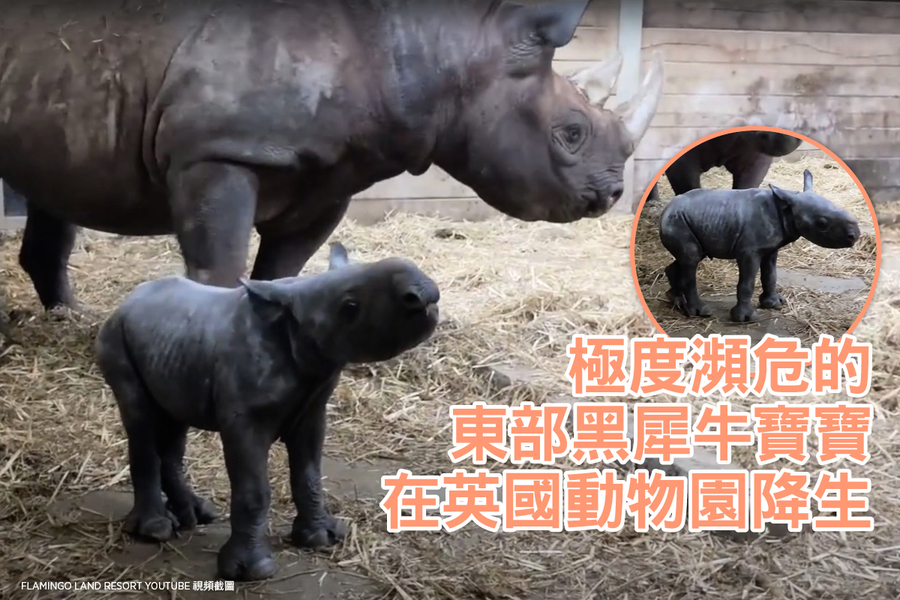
770,298
47,245
743,311
188,508
247,555
694,306
149,519
284,252
314,526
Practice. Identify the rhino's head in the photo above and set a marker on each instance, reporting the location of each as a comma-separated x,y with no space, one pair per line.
537,145
772,143
816,218
356,312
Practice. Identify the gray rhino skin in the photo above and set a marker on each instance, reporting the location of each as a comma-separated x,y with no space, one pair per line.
748,226
747,155
257,364
209,118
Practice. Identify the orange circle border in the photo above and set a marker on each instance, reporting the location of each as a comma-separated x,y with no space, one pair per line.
794,134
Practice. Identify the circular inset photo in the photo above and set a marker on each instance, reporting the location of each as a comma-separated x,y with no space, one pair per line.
755,231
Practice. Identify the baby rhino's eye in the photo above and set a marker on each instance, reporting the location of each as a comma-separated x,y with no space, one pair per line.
349,309
822,224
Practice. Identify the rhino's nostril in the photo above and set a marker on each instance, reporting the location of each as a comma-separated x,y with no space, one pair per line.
413,301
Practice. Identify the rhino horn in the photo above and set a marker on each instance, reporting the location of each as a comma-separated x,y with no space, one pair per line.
597,82
637,113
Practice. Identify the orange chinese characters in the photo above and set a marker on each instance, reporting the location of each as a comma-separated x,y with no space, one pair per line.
479,431
723,419
471,497
594,502
600,431
851,358
780,363
662,431
721,364
718,500
408,492
597,366
788,505
532,500
538,435
843,432
665,358
662,501
840,495
781,431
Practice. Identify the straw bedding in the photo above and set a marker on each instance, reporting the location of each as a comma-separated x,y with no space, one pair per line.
513,293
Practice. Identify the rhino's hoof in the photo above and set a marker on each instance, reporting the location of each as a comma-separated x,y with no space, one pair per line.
198,512
701,310
151,526
773,301
326,532
744,314
246,560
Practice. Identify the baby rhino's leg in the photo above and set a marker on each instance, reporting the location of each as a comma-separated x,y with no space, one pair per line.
188,508
748,267
680,241
141,417
770,298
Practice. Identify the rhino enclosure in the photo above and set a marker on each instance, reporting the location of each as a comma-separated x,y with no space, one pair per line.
829,69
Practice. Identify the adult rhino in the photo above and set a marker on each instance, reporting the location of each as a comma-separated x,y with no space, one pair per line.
209,118
747,155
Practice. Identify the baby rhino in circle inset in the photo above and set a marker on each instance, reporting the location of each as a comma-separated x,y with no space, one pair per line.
748,226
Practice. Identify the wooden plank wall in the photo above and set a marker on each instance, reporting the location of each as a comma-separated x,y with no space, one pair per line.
824,68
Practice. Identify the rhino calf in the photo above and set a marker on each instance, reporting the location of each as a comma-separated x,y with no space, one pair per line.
748,226
256,363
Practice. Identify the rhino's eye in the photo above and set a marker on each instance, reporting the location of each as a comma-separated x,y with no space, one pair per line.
822,224
572,135
349,309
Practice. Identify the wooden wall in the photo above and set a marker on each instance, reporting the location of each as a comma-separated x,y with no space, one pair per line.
827,69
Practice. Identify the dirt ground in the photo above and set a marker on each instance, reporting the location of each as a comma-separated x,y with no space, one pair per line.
512,296
825,289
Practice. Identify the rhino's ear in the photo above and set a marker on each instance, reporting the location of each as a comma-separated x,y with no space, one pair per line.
597,82
784,198
268,291
337,256
807,181
552,24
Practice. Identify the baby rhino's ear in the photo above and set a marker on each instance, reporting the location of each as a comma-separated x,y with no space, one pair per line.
784,198
337,258
268,291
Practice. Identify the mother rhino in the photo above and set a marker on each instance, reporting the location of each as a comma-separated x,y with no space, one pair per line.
212,117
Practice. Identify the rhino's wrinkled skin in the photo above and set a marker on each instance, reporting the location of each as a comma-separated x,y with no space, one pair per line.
748,226
212,117
747,155
257,364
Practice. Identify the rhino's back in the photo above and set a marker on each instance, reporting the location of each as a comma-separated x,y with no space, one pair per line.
75,81
717,219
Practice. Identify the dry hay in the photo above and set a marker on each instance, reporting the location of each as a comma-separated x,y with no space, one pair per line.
811,308
512,293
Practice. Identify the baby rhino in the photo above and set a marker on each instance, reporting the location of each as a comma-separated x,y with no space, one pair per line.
748,226
257,364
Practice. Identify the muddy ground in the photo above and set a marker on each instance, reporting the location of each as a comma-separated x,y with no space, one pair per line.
513,295
825,290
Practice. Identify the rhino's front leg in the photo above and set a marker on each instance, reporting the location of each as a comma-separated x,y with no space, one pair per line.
748,267
213,206
285,250
247,555
47,245
314,526
770,298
